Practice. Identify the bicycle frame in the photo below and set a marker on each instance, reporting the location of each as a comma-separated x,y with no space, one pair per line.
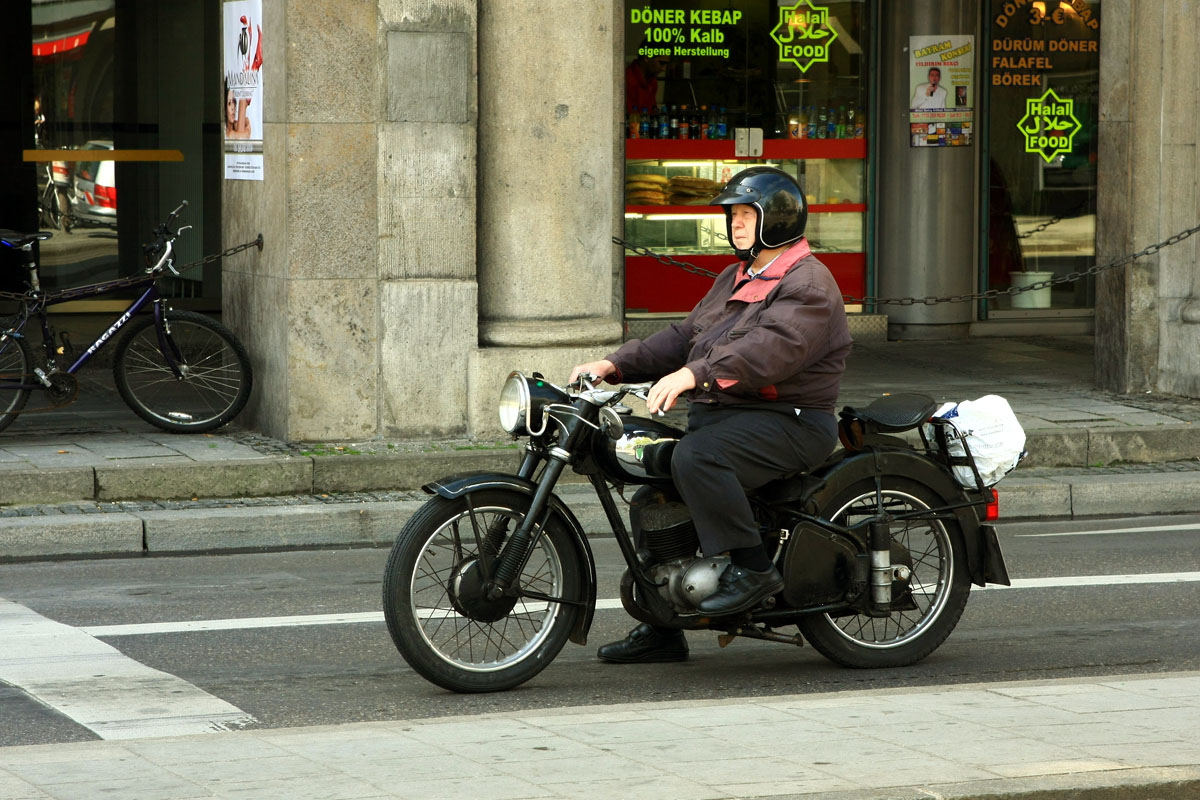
151,295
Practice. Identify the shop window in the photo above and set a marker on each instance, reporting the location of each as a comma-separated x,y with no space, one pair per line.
794,73
1043,89
125,96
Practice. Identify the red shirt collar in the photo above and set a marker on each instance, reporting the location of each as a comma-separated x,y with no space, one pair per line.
753,290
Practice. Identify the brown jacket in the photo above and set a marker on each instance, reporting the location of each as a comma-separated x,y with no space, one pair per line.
780,337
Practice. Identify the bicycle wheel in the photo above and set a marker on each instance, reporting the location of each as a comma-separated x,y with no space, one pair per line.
16,367
216,379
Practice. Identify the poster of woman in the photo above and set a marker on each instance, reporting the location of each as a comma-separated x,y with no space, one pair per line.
242,89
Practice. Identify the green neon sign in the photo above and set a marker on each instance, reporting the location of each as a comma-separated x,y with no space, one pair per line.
1049,125
804,34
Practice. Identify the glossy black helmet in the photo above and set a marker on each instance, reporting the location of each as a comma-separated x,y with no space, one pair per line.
782,212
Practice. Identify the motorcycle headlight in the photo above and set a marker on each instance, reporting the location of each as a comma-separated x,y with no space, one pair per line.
523,402
514,404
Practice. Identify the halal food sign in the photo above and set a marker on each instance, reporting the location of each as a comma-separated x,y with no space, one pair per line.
804,34
1049,125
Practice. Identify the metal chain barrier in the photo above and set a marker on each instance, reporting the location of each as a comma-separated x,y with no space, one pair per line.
930,300
132,280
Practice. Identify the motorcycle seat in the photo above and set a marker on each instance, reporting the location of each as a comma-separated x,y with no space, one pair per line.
892,413
16,239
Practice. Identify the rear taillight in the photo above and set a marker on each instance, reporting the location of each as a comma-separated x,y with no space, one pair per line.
992,511
106,196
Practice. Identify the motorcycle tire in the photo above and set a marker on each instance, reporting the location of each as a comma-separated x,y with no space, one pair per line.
439,618
940,582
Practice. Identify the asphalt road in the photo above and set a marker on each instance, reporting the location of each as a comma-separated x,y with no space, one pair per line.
343,672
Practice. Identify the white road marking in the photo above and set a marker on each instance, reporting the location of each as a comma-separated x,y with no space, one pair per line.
1149,529
106,692
143,629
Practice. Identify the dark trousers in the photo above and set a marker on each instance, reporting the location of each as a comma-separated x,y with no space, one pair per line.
731,450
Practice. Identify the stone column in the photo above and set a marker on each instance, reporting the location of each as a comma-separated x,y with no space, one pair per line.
428,297
1148,313
360,314
549,116
307,306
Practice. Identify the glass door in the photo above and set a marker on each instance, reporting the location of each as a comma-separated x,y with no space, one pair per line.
1043,90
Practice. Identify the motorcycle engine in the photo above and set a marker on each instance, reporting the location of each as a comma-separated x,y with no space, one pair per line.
668,546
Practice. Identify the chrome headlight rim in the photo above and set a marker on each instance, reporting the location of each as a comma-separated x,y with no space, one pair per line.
515,419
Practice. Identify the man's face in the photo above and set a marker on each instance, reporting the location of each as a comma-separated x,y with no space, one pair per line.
655,66
935,75
743,223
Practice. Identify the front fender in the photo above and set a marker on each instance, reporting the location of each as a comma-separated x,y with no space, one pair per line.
983,560
453,487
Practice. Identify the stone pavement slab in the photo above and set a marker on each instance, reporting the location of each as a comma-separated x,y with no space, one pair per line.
1074,738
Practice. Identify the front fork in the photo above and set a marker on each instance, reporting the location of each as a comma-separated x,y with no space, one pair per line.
516,549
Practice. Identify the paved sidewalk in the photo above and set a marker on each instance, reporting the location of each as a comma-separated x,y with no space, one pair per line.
1122,737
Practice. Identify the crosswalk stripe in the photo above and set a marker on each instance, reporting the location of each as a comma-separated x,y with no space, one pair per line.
93,684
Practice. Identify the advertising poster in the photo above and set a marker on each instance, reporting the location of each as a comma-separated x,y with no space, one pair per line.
941,80
241,36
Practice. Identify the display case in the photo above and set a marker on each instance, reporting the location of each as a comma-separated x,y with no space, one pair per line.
686,104
676,220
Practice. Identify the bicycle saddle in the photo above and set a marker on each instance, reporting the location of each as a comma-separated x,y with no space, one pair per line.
893,413
18,239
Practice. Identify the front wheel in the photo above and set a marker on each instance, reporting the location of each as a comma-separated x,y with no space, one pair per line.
215,380
16,368
939,582
438,611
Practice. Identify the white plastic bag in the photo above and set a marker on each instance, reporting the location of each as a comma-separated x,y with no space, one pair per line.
996,439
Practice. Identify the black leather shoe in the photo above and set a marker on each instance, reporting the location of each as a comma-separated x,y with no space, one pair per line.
740,589
646,644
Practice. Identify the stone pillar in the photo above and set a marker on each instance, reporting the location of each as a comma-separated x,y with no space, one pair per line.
307,307
361,312
1148,313
428,306
548,119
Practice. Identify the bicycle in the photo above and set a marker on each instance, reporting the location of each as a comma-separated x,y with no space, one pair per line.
54,206
180,371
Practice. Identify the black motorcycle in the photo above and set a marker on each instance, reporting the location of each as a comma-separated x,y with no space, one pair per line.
878,546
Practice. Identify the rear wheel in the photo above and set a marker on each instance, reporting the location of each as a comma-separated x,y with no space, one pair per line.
216,377
436,604
939,582
16,367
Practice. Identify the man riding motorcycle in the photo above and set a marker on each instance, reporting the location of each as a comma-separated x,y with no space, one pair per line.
760,359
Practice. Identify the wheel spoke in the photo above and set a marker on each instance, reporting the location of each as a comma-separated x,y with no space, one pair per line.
475,644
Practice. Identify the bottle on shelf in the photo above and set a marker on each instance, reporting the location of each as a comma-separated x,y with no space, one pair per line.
705,131
664,123
831,132
674,122
810,124
644,125
823,123
722,125
794,128
685,123
843,123
860,124
633,124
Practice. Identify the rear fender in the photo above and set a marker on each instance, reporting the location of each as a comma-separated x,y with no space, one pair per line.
455,486
984,561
